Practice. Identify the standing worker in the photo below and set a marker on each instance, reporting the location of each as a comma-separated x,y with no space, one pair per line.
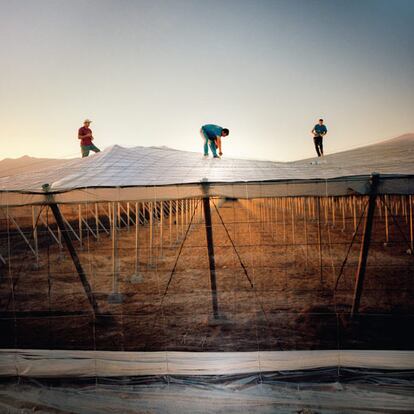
318,131
85,135
212,137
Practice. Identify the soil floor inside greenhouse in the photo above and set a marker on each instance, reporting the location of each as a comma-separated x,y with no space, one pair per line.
276,276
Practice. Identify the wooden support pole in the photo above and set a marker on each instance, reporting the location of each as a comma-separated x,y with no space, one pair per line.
110,219
80,225
115,262
151,231
170,220
211,258
343,214
354,212
283,202
276,217
271,217
387,236
161,227
410,201
35,239
97,221
182,218
318,201
115,297
366,240
293,219
86,286
176,219
305,202
136,238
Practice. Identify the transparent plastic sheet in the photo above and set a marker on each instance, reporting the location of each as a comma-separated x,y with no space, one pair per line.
293,256
312,391
145,174
301,265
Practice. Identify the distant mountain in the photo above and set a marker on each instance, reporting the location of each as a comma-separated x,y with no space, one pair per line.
12,166
401,138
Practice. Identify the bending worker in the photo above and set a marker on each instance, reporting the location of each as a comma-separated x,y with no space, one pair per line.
212,137
318,131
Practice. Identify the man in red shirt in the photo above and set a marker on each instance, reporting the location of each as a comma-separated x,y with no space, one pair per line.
85,135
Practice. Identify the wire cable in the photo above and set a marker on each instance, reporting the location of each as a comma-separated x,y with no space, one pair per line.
241,263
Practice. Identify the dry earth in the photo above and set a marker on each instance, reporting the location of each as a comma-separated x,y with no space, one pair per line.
293,304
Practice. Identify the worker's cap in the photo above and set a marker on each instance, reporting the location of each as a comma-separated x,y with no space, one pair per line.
87,121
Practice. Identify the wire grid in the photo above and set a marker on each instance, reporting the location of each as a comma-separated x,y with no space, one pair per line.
290,249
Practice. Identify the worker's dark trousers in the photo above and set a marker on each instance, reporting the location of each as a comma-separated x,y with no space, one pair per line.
318,145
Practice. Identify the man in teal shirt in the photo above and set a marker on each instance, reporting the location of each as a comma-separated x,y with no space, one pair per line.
212,137
318,131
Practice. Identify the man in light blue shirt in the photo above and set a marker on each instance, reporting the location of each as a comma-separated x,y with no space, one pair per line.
212,137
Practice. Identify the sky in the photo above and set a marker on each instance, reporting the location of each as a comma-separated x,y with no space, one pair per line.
151,72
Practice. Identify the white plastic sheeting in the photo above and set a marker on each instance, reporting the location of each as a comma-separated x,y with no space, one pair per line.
265,394
141,173
66,363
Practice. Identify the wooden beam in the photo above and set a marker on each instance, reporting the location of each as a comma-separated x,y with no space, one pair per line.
59,220
366,240
211,258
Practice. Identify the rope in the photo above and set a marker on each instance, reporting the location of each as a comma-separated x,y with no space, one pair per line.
242,264
179,254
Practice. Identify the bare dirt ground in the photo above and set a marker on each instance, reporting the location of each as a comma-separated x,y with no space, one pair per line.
292,305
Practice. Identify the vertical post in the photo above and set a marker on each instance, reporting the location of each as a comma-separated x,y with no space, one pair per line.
151,231
182,218
386,220
115,248
115,296
161,226
354,213
97,221
276,218
366,240
271,217
170,220
80,224
128,215
110,219
283,202
410,201
118,209
176,219
36,245
305,202
211,258
136,238
318,201
293,201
